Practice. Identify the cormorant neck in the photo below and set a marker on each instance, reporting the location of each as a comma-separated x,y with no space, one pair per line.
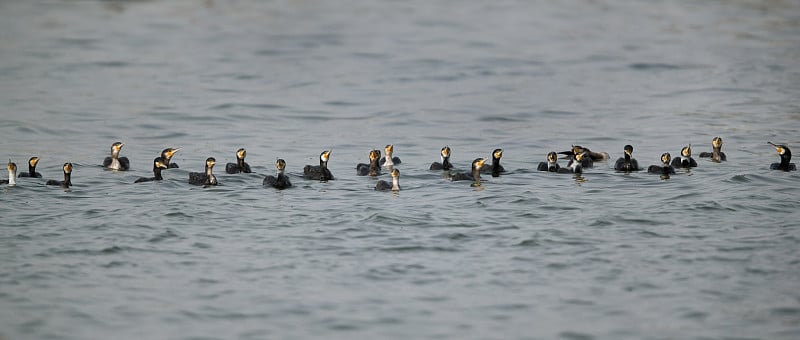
157,173
373,165
446,163
280,173
627,158
67,179
395,183
388,161
12,177
785,159
495,164
476,174
240,163
208,170
31,169
323,171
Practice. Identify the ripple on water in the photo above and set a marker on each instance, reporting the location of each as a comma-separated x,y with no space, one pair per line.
163,236
571,335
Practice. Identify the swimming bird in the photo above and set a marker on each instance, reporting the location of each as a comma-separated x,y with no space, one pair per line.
158,164
552,164
166,156
445,164
395,186
685,160
477,164
67,182
496,168
586,162
240,165
279,181
204,178
320,172
665,168
372,169
627,163
389,161
786,157
32,169
115,162
576,165
716,153
594,156
12,174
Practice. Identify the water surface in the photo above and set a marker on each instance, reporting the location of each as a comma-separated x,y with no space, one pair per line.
710,253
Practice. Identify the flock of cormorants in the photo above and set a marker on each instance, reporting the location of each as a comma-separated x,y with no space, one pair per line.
578,157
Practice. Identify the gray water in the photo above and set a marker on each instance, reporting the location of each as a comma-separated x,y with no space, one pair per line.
711,253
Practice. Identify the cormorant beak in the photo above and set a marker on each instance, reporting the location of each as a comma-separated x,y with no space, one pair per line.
479,162
446,151
389,148
241,153
171,152
68,168
34,161
498,154
325,155
778,148
395,173
211,162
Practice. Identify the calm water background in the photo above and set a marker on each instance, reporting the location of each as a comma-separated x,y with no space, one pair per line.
709,254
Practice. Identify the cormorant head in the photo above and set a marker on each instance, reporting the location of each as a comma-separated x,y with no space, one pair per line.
210,161
167,154
395,173
478,163
782,149
374,155
12,167
241,153
666,158
159,163
116,147
325,155
552,157
67,168
446,152
389,149
497,153
33,161
577,149
716,142
687,151
280,164
628,150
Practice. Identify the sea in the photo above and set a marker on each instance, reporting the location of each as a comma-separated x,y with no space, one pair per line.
711,252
